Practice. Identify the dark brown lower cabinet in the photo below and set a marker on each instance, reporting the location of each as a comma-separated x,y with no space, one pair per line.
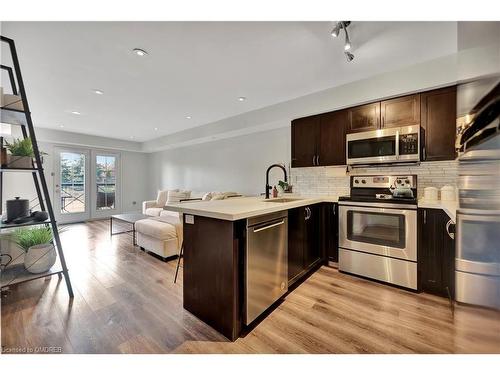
304,243
436,253
330,232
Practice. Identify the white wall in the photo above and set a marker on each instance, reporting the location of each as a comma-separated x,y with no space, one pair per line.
235,164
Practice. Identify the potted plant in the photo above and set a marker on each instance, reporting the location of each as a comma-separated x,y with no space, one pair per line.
37,243
21,153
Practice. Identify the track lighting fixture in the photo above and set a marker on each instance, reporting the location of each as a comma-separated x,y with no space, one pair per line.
342,25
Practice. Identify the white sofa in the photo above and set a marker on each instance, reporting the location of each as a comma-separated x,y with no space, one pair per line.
162,232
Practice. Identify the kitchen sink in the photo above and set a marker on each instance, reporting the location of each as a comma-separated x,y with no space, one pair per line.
282,200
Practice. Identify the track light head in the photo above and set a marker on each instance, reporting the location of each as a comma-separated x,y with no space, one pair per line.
336,30
347,45
349,56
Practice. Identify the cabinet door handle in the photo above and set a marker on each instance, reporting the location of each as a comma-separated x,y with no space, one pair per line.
308,213
425,216
452,235
314,158
317,159
423,154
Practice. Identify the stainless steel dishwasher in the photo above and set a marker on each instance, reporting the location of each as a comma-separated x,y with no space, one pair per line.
266,262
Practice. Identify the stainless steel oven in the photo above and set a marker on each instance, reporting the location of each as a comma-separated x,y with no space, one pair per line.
383,229
391,145
378,229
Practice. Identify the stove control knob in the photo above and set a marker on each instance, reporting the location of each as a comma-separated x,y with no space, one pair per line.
356,181
407,181
363,181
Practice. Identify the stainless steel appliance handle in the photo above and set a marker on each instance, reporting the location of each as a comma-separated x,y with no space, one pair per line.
314,158
452,235
269,226
397,144
317,159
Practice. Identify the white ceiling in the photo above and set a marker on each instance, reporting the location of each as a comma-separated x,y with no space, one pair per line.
198,69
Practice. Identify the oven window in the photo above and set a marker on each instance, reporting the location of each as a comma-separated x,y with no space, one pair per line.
479,240
367,148
376,228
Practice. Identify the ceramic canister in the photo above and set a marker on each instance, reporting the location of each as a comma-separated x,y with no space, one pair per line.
448,193
431,193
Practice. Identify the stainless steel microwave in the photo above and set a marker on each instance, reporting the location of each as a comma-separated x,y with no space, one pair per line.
391,145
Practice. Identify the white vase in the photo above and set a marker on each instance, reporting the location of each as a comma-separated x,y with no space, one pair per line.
40,258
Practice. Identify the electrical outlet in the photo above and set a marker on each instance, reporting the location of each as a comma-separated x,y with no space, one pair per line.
189,219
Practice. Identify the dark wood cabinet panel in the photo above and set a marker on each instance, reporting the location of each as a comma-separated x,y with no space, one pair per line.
305,133
296,233
436,253
438,120
312,249
304,242
212,257
401,111
331,140
363,118
329,229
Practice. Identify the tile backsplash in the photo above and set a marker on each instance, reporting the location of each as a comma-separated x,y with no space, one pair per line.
335,180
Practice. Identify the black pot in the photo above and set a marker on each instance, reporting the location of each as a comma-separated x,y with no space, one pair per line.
17,208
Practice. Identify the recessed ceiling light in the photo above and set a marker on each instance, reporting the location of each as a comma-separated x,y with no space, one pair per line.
156,128
131,137
98,92
188,117
61,126
76,113
242,98
139,52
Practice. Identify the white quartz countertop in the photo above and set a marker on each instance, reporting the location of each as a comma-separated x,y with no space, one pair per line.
450,207
243,207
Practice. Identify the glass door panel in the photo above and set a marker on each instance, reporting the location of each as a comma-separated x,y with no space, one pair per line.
71,200
105,182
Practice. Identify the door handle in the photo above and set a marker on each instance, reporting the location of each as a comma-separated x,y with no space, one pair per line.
269,226
314,158
317,159
452,235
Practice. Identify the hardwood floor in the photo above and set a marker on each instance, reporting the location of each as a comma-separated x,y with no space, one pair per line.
126,302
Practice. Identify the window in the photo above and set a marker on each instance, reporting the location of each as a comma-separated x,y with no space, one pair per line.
105,182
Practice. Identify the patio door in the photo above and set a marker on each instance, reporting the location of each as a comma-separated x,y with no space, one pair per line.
71,185
105,186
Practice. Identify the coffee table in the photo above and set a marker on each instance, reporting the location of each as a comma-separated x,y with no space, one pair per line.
130,218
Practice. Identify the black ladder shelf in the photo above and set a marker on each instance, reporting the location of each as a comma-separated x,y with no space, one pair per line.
17,113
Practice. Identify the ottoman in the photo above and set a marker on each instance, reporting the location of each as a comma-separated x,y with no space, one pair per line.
160,235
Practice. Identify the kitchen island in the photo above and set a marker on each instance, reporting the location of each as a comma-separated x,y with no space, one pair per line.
217,264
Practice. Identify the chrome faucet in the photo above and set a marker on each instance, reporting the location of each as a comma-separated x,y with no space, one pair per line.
268,187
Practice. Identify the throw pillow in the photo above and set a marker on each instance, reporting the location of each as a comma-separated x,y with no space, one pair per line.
176,196
161,199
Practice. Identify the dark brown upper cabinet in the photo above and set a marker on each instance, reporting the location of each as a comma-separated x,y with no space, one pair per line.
331,144
438,122
319,140
305,134
401,111
364,118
